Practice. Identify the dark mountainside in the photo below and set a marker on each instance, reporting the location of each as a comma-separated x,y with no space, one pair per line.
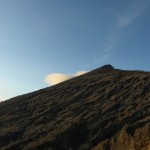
105,109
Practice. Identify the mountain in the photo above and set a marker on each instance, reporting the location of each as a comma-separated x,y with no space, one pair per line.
105,109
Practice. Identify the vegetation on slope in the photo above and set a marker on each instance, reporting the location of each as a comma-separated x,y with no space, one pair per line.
105,109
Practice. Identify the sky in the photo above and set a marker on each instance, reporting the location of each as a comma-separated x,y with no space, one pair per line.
41,39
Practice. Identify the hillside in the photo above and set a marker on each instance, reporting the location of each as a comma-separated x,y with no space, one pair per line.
105,109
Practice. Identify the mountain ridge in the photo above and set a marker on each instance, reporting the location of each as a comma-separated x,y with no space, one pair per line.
103,109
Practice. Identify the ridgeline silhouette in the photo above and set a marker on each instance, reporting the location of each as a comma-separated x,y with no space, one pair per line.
105,109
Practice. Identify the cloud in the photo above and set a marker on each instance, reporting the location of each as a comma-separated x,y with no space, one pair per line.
79,73
133,12
56,78
122,22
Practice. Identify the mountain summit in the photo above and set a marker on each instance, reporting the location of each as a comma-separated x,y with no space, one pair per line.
105,109
107,67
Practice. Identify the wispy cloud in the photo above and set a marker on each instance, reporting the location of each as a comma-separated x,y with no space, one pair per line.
122,22
56,78
133,12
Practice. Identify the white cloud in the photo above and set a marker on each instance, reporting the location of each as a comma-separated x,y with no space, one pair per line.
56,78
79,73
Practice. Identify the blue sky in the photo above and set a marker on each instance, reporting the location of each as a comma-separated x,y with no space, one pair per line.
40,37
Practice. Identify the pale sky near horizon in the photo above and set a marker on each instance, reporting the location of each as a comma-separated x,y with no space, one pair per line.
42,37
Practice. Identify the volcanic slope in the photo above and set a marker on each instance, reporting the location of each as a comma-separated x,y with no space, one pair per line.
105,109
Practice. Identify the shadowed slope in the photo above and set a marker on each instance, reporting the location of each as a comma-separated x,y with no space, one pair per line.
103,109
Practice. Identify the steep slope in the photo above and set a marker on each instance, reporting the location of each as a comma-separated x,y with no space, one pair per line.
105,109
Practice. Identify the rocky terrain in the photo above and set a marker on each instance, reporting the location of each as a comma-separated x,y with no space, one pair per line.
105,109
